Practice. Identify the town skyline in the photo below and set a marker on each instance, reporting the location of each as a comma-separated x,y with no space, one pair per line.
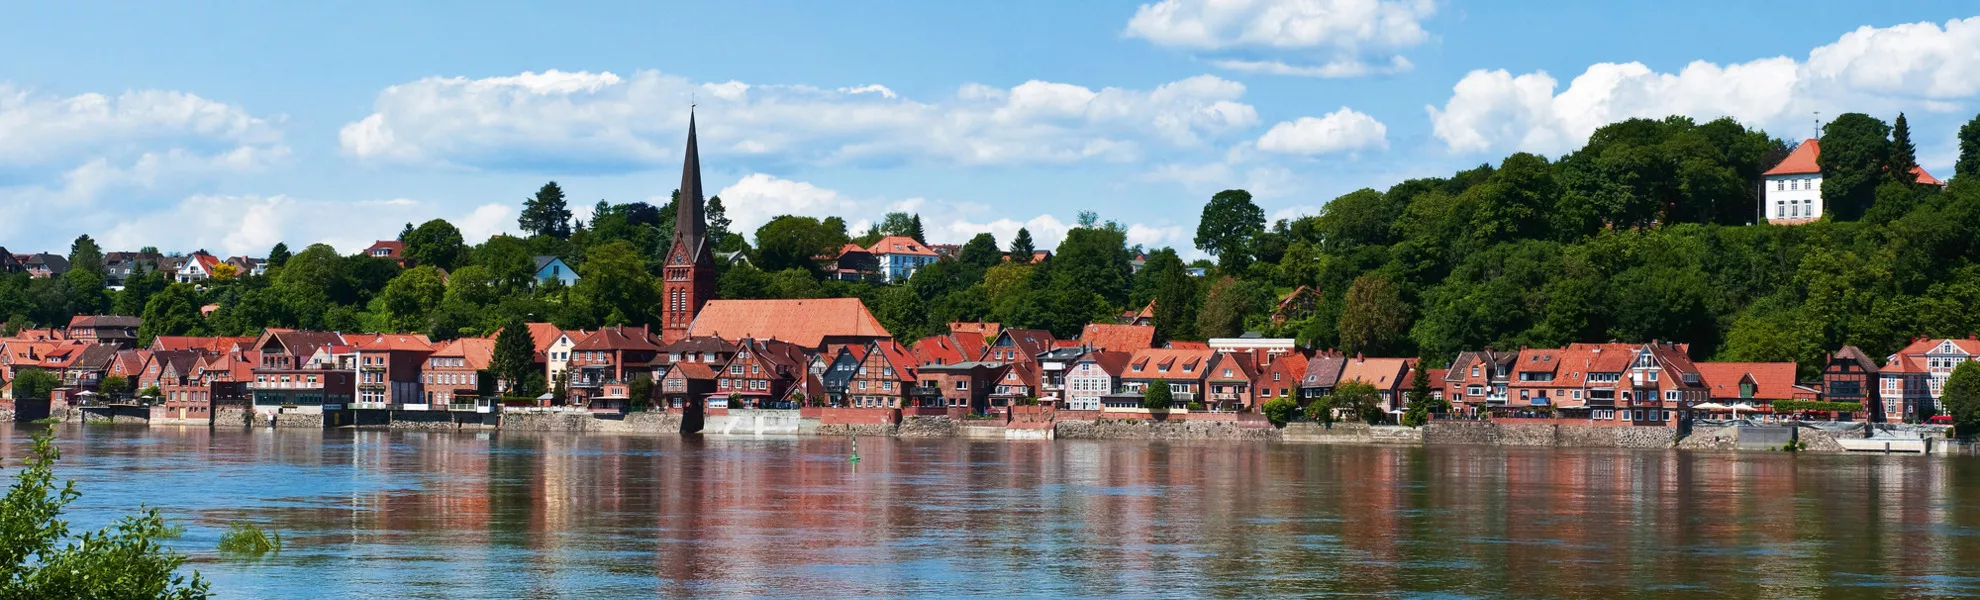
1422,89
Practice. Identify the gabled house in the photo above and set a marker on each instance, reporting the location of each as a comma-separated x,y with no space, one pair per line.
1016,384
836,370
602,365
1018,345
9,264
199,266
1481,378
389,370
549,268
883,377
388,249
1914,377
939,350
900,256
105,329
1389,377
1793,188
854,263
686,382
1095,375
1229,379
457,375
1323,372
812,323
1757,384
43,265
1182,370
1280,379
760,373
1850,375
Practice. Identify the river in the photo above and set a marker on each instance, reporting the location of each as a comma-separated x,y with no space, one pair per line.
391,514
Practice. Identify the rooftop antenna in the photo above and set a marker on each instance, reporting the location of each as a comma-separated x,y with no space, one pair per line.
1818,125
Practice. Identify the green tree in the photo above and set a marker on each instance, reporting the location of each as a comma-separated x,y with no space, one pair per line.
278,256
1281,410
897,223
1230,303
1421,403
1359,399
126,560
114,386
34,384
1229,223
981,251
410,300
1174,293
915,231
546,214
1969,148
138,290
1021,247
174,311
717,217
1855,150
793,242
1961,396
85,255
1157,395
640,391
1375,317
436,243
614,287
514,355
1904,156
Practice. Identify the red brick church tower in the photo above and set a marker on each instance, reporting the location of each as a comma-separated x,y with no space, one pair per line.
690,272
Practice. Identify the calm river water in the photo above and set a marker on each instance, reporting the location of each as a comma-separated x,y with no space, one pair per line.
377,514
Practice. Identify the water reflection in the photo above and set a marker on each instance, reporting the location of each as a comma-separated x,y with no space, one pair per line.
502,515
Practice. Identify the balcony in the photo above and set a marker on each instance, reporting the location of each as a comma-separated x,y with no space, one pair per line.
285,385
924,390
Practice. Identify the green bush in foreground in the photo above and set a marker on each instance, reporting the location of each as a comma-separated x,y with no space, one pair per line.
121,561
1280,410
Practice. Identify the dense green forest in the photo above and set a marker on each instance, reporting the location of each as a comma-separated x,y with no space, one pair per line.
1644,233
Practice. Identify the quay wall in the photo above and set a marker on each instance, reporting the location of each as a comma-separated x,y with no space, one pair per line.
1144,429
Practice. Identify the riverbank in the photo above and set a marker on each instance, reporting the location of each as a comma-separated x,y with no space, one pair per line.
1044,425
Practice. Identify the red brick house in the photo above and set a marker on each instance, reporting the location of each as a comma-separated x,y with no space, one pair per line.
1850,375
1229,379
684,383
389,369
457,375
957,385
760,373
1389,376
1280,379
605,361
1019,345
883,377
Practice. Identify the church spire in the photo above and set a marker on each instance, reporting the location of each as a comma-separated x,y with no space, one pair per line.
690,220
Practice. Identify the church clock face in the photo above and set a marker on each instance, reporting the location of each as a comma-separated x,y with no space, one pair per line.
679,258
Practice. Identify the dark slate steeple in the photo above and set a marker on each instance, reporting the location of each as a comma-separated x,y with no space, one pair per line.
690,216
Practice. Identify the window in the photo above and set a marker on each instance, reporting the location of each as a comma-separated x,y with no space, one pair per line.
962,384
1779,185
735,369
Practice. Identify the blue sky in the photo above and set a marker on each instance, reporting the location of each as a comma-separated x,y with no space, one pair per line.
229,126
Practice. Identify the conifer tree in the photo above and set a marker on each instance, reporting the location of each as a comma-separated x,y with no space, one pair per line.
547,214
1021,248
1904,156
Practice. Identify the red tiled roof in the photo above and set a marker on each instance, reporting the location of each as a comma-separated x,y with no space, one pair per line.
1383,373
1772,381
618,337
478,351
1183,345
899,357
900,244
1238,364
1119,338
1799,162
385,342
803,322
1167,363
982,329
938,350
1803,161
1114,363
545,334
695,370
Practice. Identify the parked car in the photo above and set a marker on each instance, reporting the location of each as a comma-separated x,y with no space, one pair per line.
1940,419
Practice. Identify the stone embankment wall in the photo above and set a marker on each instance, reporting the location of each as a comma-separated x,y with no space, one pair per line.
928,427
865,429
638,423
290,420
441,421
1351,433
1138,429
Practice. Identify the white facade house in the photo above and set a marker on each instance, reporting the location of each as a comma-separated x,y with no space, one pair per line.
1792,191
198,267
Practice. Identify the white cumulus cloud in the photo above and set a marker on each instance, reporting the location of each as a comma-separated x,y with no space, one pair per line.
603,122
1338,131
1866,70
251,224
1312,38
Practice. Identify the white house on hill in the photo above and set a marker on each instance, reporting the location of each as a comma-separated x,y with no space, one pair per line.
1793,188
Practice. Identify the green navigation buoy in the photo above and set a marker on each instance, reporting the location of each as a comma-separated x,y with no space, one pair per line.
855,456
